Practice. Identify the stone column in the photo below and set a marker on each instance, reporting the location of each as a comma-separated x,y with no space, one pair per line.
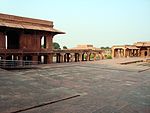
118,53
95,56
76,57
124,50
80,57
88,56
35,59
113,52
148,52
49,39
100,56
129,51
2,41
21,60
50,58
72,57
62,57
136,52
121,52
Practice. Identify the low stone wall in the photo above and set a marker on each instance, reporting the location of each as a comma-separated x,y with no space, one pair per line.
148,60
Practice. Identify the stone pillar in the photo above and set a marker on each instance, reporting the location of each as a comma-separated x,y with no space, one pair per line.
136,52
21,60
76,57
88,56
2,41
50,58
35,59
113,52
124,50
148,52
129,51
62,57
72,57
118,52
94,56
80,57
49,39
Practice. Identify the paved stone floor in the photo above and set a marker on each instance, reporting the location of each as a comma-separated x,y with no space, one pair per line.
87,87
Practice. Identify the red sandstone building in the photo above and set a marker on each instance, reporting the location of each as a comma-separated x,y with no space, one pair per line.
26,39
139,49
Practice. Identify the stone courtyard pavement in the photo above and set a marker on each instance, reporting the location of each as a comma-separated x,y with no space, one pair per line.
87,87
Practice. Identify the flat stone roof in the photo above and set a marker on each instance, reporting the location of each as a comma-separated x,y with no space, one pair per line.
13,21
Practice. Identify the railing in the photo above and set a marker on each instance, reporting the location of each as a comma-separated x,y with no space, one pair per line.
12,64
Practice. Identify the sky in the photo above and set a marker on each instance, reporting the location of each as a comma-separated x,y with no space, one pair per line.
98,22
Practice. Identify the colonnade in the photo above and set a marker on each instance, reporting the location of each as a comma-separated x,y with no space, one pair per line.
77,57
120,52
58,56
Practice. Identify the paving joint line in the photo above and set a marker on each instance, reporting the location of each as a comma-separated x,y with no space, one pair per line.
143,70
44,104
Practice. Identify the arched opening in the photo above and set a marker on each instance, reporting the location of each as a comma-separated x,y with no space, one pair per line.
67,57
43,42
42,59
98,56
145,53
91,57
58,57
54,58
85,57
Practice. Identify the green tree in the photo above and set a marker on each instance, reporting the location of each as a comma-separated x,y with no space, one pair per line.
65,47
102,47
105,47
56,45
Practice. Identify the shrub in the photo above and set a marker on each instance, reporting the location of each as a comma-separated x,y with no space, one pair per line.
109,57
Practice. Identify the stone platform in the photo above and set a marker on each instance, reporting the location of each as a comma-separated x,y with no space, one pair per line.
86,87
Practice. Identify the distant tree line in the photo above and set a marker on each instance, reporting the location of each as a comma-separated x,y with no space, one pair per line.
105,47
57,46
